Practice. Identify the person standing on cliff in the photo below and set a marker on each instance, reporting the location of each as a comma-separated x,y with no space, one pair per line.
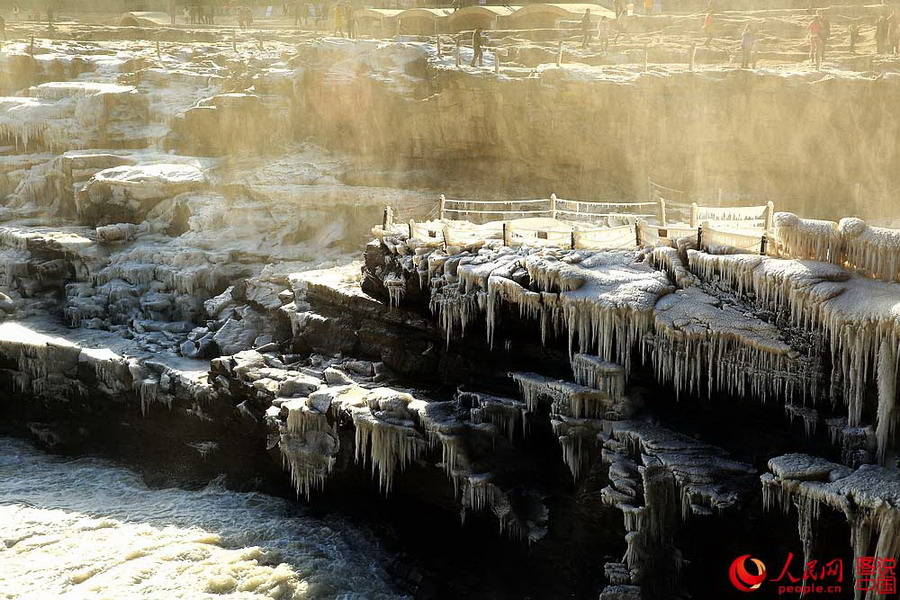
477,50
893,34
338,20
603,33
709,26
351,20
825,32
748,41
586,28
881,34
855,37
817,40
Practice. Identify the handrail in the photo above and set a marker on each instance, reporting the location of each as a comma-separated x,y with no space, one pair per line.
529,201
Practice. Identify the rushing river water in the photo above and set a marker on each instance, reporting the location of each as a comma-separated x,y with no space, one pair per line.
86,528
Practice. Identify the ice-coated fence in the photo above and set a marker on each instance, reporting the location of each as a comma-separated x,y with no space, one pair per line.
852,243
612,214
493,210
581,224
714,240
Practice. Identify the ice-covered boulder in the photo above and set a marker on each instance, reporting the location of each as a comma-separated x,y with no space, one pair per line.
127,193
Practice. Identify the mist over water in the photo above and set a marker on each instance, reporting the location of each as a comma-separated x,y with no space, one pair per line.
87,528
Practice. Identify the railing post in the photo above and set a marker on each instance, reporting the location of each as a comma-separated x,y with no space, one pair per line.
637,233
443,204
700,237
559,54
694,211
445,230
388,218
411,225
662,212
763,244
572,239
505,234
553,206
770,216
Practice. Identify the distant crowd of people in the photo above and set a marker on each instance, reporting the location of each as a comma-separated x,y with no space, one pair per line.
819,30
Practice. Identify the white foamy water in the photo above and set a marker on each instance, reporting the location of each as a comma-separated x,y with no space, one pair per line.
85,528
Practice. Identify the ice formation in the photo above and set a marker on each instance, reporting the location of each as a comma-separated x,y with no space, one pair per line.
71,114
874,251
869,498
602,302
385,434
858,317
658,479
701,341
807,239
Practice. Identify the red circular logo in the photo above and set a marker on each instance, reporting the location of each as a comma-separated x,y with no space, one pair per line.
743,579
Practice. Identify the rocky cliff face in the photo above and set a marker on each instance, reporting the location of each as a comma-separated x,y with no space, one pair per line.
583,131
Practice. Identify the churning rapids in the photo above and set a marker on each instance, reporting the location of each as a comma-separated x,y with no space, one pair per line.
87,528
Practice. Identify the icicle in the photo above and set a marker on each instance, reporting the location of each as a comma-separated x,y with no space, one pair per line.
310,457
887,398
396,287
388,446
875,251
807,238
592,372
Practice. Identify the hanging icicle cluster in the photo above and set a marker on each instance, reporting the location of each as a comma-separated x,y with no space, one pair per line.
874,251
857,317
659,478
869,498
700,341
807,238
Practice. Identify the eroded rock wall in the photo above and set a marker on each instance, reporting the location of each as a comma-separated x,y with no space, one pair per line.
582,131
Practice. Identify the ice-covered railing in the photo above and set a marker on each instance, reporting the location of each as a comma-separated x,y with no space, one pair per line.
744,218
609,213
520,232
655,235
852,243
676,207
495,210
719,241
606,213
545,232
